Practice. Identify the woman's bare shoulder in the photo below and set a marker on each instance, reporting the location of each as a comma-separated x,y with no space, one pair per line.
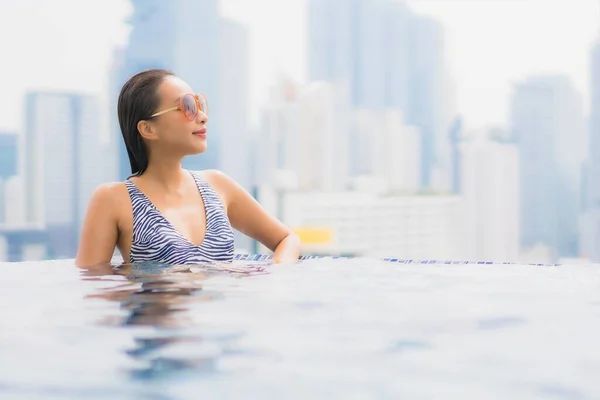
111,195
215,176
223,184
110,190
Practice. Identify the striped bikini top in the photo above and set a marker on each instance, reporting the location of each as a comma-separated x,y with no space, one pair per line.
156,240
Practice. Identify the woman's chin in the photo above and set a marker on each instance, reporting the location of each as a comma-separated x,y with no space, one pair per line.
197,148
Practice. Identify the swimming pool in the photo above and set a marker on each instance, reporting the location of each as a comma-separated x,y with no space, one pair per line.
348,328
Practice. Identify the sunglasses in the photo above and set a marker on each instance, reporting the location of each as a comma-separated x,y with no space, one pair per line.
190,104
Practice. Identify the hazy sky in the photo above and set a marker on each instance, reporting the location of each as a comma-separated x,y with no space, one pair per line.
67,44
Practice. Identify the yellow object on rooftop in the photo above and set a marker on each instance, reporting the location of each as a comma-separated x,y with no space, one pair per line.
314,235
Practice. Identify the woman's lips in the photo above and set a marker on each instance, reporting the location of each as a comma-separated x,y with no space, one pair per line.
200,132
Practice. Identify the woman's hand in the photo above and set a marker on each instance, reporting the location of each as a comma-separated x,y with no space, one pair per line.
288,250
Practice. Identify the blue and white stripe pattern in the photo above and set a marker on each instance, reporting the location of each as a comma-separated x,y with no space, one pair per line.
156,240
267,258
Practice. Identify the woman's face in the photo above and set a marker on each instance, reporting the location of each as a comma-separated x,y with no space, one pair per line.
173,130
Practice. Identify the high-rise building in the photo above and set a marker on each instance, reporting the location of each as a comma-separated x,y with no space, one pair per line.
14,202
182,36
548,126
331,41
368,224
390,57
63,162
427,97
401,149
398,26
490,190
369,55
590,218
8,166
232,109
389,149
303,134
455,161
2,203
117,153
8,154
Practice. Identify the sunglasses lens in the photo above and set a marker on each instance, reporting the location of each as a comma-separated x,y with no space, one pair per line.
189,106
203,104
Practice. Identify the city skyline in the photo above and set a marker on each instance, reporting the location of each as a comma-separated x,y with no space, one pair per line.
484,64
376,120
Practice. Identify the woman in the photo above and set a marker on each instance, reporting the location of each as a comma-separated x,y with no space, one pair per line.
164,213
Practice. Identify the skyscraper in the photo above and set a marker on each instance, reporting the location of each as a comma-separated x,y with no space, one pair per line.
182,36
490,189
455,157
232,109
389,57
547,124
397,147
299,137
118,153
347,47
590,219
8,154
63,162
331,40
426,93
398,26
8,166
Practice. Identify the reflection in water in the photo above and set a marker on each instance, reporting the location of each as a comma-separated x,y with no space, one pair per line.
159,296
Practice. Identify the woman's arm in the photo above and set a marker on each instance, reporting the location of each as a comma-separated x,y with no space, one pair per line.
247,216
99,233
288,250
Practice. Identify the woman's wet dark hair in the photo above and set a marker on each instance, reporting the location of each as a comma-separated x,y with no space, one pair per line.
137,102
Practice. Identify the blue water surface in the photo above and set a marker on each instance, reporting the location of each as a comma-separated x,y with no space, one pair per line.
320,329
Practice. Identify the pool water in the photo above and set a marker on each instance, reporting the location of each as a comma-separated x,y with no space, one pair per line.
320,329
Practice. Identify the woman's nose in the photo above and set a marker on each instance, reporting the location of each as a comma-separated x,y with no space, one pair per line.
201,117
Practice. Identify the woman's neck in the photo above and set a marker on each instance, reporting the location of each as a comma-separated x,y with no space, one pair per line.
166,174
